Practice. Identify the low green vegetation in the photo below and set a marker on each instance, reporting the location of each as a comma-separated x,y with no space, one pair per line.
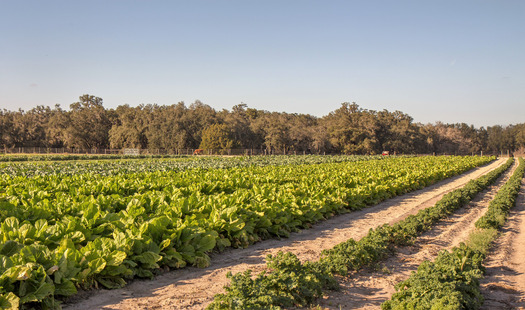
276,288
64,231
452,280
131,164
67,157
499,207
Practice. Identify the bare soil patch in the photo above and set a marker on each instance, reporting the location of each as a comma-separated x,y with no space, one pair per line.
193,288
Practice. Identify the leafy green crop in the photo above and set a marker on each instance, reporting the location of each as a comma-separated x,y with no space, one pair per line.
118,165
290,283
274,290
64,230
68,157
503,202
452,280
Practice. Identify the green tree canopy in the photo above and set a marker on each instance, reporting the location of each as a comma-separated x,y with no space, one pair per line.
216,137
89,124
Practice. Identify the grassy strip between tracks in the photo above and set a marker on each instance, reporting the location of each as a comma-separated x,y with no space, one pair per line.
452,280
292,283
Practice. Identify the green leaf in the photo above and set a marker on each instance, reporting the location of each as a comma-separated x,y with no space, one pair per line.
116,258
5,262
42,292
223,243
188,253
41,225
84,274
9,301
10,248
172,258
121,271
66,288
76,237
207,243
111,282
202,260
143,273
11,224
97,265
148,258
164,244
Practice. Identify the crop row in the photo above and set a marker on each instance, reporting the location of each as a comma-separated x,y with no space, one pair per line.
131,164
66,157
292,283
61,232
452,280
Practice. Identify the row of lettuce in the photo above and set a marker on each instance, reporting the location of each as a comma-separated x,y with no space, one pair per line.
292,283
65,157
452,280
64,232
136,164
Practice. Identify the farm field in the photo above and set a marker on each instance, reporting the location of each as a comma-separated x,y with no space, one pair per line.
33,165
370,287
504,283
68,226
193,288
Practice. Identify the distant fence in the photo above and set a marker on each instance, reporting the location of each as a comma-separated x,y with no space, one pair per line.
191,151
131,151
61,150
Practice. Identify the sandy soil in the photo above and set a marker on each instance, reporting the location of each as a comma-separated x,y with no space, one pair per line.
368,288
193,288
504,284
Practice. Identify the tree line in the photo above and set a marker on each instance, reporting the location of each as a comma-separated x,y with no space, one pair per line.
348,130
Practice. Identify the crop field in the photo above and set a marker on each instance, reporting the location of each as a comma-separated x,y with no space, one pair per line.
70,226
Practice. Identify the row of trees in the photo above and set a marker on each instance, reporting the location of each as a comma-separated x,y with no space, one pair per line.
349,129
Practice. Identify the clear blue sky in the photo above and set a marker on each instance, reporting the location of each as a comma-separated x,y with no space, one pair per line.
441,60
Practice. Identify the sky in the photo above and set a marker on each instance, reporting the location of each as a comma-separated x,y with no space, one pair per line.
437,60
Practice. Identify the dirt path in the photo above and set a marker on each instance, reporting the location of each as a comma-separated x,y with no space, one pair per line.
370,287
193,288
504,284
